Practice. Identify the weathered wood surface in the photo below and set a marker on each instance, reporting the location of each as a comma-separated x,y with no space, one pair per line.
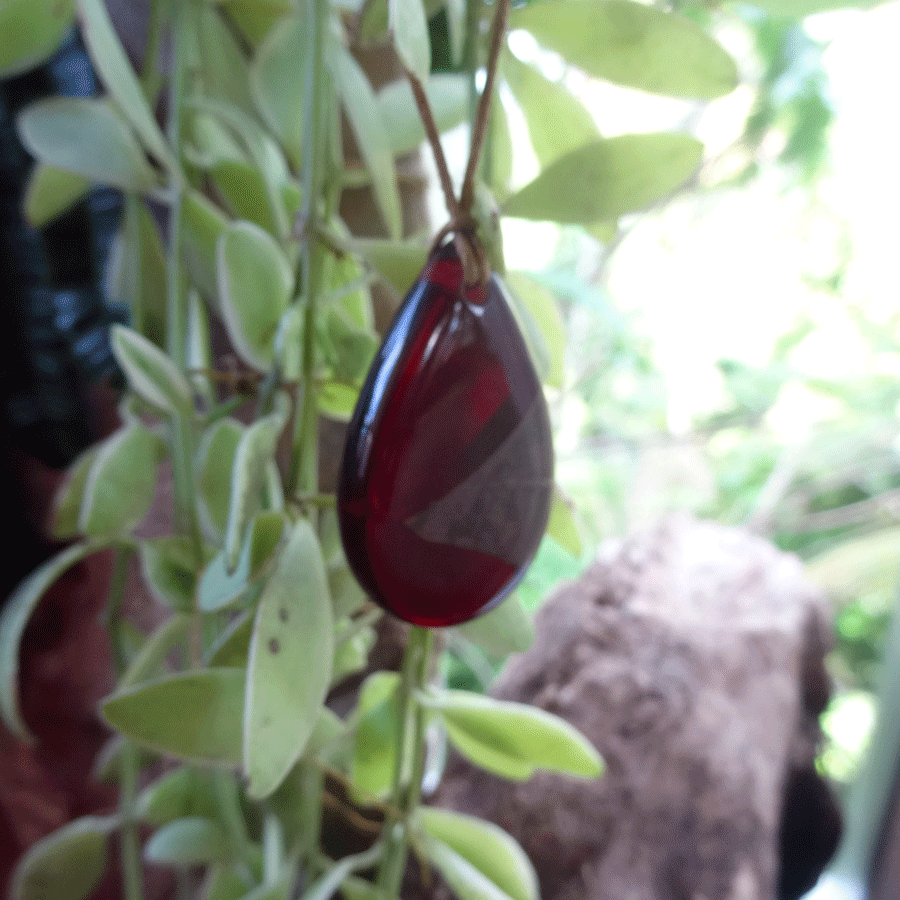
692,656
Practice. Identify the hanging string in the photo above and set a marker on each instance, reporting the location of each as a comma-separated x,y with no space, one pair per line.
461,224
482,117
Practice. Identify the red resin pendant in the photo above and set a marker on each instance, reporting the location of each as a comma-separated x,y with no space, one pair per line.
445,485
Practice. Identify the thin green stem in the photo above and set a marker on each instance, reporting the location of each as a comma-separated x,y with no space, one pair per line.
185,483
312,783
410,762
134,270
229,805
273,847
303,472
116,607
129,838
151,79
470,60
176,307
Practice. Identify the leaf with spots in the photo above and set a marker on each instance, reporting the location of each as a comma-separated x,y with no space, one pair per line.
290,663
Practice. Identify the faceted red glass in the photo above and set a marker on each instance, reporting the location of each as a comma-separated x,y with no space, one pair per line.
445,485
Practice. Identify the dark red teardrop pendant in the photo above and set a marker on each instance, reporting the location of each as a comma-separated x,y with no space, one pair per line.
445,486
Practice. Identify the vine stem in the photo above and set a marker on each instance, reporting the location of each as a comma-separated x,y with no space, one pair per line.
303,471
129,838
409,765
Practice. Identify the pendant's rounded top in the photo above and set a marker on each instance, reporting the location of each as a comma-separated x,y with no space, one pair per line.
448,269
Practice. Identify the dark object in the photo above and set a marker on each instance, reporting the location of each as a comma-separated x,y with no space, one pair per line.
810,832
56,339
445,485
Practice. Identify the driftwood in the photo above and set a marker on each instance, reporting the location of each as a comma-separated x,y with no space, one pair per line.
692,656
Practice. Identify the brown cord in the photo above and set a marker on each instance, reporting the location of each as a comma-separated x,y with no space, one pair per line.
476,268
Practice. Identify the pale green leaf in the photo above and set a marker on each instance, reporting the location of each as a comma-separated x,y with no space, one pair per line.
150,658
505,629
290,662
276,82
448,97
356,888
858,565
373,21
208,142
191,841
30,31
280,889
198,349
466,882
87,138
121,482
399,262
67,864
351,348
351,652
485,846
50,192
337,400
246,192
631,44
202,222
374,753
151,374
542,327
114,70
557,120
604,232
346,594
169,568
327,885
220,586
182,792
214,464
231,648
194,716
793,10
364,115
14,617
289,344
67,502
255,284
562,526
255,450
456,27
264,153
256,18
349,288
513,739
409,25
149,260
224,73
115,758
224,883
502,152
607,178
